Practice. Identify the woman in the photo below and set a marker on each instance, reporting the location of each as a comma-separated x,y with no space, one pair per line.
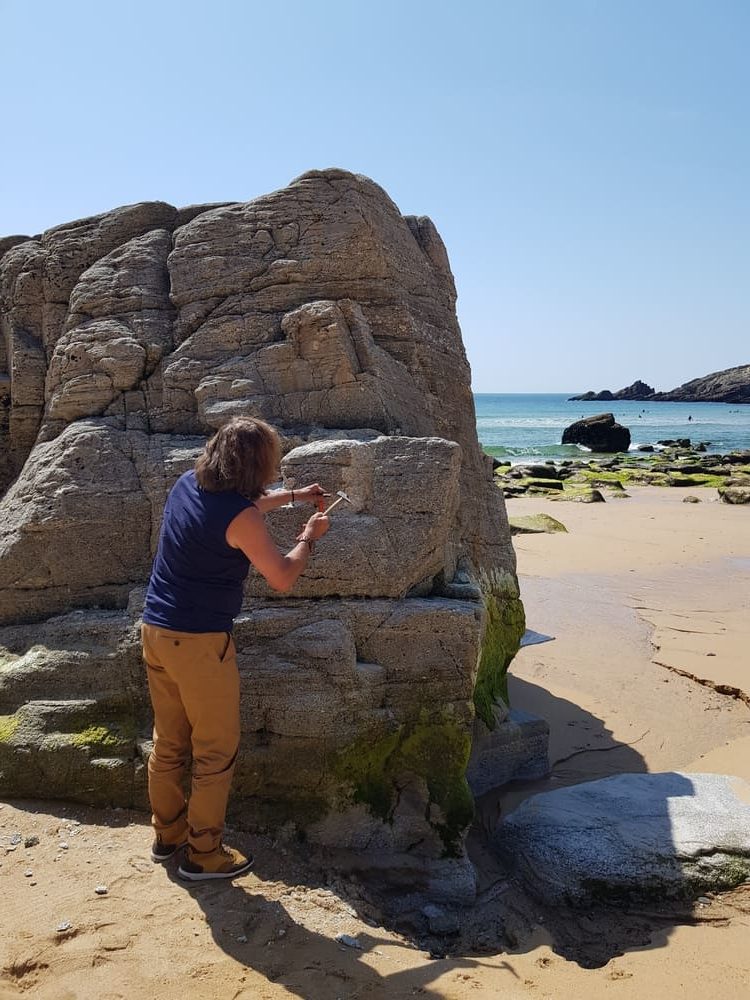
212,530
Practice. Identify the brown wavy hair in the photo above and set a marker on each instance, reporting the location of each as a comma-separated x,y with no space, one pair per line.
242,456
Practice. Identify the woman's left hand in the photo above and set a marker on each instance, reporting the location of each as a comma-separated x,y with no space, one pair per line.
311,494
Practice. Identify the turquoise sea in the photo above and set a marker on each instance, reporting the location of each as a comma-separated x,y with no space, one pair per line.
524,426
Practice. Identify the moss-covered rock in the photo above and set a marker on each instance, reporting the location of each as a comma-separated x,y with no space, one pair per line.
8,727
581,494
365,765
433,748
534,484
534,524
666,468
504,627
735,494
695,479
97,766
101,739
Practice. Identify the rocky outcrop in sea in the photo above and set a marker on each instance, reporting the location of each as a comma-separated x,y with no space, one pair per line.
729,386
598,433
638,390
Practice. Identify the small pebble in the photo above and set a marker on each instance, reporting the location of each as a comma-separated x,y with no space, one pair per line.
242,939
101,890
349,941
704,900
31,841
64,927
28,873
63,846
33,882
16,838
281,932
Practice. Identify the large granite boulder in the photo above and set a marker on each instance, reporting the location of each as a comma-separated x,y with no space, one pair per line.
598,433
651,837
126,340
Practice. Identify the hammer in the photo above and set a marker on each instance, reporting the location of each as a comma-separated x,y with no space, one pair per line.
340,495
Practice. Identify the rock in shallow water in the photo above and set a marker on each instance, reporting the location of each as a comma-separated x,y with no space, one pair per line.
598,433
632,837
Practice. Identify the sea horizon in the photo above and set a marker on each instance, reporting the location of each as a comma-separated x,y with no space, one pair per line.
522,426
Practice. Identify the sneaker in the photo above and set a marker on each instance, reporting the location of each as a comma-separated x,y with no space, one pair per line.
161,852
224,862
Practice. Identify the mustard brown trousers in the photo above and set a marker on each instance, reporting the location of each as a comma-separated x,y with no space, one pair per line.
195,693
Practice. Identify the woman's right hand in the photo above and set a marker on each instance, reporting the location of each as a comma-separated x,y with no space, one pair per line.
316,527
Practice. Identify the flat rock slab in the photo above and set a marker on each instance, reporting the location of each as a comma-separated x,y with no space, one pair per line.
651,837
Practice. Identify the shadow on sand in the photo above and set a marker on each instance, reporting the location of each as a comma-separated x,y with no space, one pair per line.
582,749
506,921
282,920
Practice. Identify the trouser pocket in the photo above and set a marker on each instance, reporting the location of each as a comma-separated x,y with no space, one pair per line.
227,644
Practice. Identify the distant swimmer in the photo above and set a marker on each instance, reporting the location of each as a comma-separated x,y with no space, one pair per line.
689,418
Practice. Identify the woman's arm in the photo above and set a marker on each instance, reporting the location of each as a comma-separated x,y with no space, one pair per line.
277,498
249,533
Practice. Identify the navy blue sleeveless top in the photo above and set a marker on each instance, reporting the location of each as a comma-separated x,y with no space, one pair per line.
197,578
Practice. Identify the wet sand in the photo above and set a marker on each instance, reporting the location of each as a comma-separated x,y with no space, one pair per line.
627,574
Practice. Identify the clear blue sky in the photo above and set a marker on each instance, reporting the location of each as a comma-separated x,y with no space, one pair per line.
586,162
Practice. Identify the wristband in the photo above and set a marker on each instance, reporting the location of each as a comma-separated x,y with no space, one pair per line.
310,544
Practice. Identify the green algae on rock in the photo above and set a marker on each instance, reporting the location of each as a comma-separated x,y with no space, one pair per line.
365,765
100,738
8,727
504,627
434,748
582,494
94,766
672,466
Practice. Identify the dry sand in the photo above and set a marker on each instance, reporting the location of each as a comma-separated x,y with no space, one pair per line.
629,572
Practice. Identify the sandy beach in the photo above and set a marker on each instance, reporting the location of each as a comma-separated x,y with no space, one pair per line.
648,601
